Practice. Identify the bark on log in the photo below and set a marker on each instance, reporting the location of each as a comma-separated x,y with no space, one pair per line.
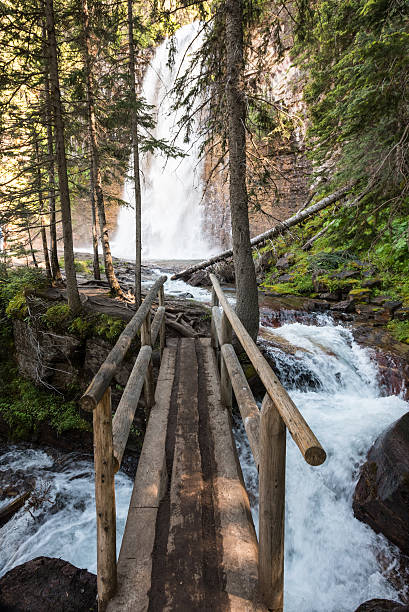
271,233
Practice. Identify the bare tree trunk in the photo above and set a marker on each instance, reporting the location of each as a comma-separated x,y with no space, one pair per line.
41,210
109,268
95,262
135,153
55,266
246,285
73,296
30,242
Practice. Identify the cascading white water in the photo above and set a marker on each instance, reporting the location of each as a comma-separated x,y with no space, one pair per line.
330,557
172,223
64,523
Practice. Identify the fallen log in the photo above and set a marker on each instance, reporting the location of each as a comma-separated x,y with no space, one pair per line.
10,509
184,330
271,233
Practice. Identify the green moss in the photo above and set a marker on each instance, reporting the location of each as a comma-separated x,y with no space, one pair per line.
57,317
400,330
109,328
25,407
17,307
81,327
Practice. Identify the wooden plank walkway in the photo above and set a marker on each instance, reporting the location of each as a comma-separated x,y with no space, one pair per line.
189,542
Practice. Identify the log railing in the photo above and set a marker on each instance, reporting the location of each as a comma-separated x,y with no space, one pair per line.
266,432
111,435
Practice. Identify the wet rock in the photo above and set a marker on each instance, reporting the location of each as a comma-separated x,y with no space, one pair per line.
382,605
345,274
381,497
386,301
402,314
284,278
345,306
283,262
371,283
361,295
48,584
333,296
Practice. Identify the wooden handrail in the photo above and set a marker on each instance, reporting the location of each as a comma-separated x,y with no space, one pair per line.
266,432
111,435
302,435
245,399
106,372
157,323
124,415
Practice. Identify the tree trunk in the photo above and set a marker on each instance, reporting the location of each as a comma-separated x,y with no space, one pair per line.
30,242
135,153
73,296
95,263
109,268
55,266
246,285
41,210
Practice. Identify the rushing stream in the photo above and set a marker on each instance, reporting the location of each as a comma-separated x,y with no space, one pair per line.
331,559
63,523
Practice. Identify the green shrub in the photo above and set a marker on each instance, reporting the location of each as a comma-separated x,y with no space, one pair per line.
81,327
24,407
400,330
17,280
109,328
57,317
17,307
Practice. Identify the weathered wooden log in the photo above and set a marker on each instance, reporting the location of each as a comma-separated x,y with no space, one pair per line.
106,372
302,435
300,216
245,400
157,323
271,506
217,324
105,501
162,336
184,330
149,385
124,415
14,506
225,384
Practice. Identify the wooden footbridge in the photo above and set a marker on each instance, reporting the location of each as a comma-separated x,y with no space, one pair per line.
189,542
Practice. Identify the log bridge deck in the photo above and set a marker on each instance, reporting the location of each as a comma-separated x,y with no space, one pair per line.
189,542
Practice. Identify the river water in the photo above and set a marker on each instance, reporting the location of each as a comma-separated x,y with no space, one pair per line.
331,559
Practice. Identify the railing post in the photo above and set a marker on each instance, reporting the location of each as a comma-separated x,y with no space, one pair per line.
149,387
162,333
215,302
271,505
226,333
105,501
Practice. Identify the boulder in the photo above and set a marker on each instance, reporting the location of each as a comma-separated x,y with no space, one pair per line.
48,584
382,605
345,306
381,497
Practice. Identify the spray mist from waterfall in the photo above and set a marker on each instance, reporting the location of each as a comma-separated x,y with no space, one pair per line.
172,189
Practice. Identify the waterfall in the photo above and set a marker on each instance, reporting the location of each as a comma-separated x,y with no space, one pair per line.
172,220
331,558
